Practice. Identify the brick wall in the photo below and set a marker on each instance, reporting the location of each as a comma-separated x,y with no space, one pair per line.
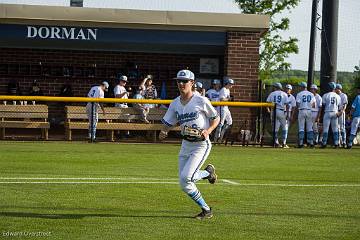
241,64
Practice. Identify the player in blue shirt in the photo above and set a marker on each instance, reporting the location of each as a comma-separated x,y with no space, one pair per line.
355,112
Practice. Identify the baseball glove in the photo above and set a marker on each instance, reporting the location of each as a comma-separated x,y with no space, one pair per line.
192,134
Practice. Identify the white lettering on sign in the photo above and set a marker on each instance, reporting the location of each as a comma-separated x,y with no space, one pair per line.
86,34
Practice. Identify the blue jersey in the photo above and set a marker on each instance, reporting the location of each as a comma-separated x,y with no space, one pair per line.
356,106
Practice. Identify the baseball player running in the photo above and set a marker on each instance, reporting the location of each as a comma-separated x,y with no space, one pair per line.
343,105
355,123
225,114
315,112
281,100
197,119
305,101
331,103
92,112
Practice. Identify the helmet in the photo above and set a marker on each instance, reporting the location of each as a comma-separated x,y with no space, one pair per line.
303,84
332,85
105,84
339,86
313,86
198,85
185,74
288,86
123,78
216,81
277,85
228,81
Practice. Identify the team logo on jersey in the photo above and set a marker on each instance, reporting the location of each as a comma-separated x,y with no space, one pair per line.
186,117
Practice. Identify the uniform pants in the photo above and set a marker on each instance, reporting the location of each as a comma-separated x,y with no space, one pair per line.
191,157
93,117
342,128
330,118
305,117
315,126
280,121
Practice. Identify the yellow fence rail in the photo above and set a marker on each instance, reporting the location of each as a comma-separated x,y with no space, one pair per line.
118,100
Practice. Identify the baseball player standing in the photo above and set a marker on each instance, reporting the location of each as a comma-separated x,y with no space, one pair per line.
292,104
213,93
92,108
355,123
331,103
225,114
120,92
197,119
343,104
281,100
315,112
305,101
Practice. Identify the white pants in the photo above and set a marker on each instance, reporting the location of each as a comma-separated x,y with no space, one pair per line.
314,116
225,116
280,120
330,118
92,115
305,116
191,157
355,124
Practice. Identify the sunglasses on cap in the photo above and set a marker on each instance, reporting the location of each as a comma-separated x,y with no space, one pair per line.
184,81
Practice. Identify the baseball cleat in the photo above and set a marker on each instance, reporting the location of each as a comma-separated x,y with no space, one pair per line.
204,214
301,146
323,146
212,175
285,146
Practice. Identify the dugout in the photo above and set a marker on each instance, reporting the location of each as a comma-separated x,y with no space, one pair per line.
83,46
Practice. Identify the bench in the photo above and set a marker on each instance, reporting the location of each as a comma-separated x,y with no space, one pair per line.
24,116
114,119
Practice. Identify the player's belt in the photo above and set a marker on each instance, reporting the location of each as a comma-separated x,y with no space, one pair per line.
304,109
192,139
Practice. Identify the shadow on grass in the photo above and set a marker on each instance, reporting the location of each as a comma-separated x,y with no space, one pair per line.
79,216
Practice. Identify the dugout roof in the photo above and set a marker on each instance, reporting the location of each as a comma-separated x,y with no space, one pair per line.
125,29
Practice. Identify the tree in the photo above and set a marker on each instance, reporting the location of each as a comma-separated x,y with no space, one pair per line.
273,48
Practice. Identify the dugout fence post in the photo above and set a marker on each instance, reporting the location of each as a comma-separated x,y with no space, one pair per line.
274,125
92,120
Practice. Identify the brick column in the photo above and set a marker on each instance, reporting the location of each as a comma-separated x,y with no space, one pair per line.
242,64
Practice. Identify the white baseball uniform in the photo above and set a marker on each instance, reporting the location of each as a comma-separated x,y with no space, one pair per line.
225,114
315,111
331,102
213,96
197,113
305,100
281,100
344,102
92,113
120,90
291,106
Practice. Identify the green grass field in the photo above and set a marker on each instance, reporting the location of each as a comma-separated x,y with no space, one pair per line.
130,191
